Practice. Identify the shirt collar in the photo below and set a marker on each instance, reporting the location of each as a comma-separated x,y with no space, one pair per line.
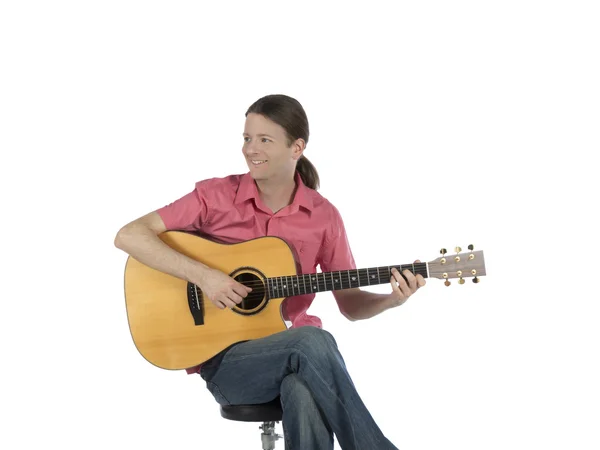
248,190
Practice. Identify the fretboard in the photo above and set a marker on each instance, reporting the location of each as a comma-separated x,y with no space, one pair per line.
309,283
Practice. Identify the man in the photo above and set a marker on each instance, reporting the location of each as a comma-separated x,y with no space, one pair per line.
276,197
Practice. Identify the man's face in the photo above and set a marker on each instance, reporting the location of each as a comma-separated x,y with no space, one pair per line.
265,148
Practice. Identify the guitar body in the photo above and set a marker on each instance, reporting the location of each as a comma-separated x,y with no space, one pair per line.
175,327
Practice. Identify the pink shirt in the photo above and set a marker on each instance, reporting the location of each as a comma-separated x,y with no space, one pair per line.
231,210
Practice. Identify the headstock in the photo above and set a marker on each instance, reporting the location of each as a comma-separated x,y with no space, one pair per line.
459,265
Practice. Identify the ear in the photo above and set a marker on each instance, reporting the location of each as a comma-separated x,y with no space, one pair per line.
298,147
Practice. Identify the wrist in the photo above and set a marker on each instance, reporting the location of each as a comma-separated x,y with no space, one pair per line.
196,272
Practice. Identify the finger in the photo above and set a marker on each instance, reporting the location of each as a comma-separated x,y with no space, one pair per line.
411,280
240,290
218,304
227,302
243,288
235,297
401,282
396,289
420,279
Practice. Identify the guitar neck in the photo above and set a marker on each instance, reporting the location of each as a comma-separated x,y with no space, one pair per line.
288,286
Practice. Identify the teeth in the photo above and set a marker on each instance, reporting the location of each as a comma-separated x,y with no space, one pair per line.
256,163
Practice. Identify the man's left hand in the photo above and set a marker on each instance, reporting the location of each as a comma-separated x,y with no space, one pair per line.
402,289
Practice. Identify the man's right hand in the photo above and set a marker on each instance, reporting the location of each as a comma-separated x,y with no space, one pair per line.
222,290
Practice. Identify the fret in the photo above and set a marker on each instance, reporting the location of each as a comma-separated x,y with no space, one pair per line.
352,279
371,277
324,281
336,281
280,286
378,277
313,286
304,284
347,276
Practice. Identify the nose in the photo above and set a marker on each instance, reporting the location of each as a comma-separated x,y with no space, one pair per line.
249,149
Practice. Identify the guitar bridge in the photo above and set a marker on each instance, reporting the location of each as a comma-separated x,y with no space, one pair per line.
196,303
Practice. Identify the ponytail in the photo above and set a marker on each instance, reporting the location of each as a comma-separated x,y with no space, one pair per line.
308,173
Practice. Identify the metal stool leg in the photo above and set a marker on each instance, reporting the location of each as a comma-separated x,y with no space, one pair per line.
268,435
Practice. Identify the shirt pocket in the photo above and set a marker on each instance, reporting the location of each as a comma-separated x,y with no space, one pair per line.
309,253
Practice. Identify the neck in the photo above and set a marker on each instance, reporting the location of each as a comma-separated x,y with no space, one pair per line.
276,194
287,286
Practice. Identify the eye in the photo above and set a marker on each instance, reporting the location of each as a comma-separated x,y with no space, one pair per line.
265,140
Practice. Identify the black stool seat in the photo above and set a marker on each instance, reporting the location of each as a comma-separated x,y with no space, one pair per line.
264,412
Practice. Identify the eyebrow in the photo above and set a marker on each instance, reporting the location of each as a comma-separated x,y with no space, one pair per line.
260,135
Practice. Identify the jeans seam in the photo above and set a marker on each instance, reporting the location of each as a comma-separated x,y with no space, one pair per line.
216,386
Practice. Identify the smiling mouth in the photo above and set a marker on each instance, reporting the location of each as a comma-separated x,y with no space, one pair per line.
258,163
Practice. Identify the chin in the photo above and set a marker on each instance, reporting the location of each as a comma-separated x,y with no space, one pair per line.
257,176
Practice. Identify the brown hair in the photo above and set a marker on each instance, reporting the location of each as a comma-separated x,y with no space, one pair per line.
289,114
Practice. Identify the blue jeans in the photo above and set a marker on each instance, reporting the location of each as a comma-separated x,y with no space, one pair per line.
303,366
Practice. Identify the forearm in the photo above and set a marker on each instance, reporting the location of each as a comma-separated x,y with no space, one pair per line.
144,245
360,305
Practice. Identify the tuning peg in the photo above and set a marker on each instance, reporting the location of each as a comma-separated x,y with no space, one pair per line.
457,250
475,280
443,252
471,256
447,282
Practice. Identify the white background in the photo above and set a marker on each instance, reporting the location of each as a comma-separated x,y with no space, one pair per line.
433,124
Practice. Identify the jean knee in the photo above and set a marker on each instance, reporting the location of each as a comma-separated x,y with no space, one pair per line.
315,341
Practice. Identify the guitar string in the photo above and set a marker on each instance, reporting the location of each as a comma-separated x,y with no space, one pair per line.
361,276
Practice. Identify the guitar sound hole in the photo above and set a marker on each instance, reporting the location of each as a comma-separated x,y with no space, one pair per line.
254,299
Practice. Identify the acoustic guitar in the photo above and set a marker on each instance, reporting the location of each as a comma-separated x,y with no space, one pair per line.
174,326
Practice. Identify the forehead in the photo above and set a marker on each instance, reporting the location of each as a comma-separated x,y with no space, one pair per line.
258,124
